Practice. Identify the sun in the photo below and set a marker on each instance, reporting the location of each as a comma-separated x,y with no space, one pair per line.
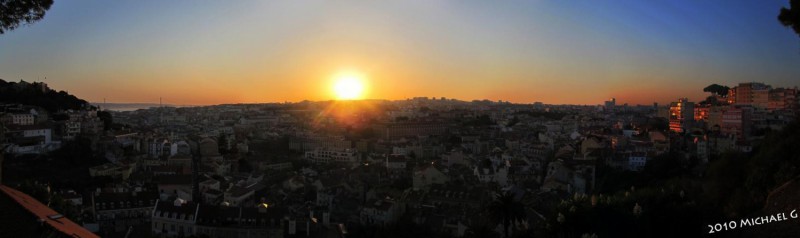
348,86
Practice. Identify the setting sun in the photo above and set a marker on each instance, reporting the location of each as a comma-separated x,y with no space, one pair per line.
348,87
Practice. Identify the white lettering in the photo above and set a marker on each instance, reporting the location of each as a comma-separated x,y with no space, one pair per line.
746,222
731,225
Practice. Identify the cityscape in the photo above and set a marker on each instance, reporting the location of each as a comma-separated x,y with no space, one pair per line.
125,146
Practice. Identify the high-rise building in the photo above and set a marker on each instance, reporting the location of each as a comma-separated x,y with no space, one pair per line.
701,112
681,115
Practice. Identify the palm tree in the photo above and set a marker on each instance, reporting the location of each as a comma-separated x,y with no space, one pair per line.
506,210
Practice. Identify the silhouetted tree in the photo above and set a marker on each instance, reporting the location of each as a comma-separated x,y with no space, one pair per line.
513,121
717,89
506,210
712,100
14,13
223,144
790,17
32,94
245,166
107,119
77,152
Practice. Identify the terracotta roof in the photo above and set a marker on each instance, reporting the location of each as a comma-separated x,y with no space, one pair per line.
52,218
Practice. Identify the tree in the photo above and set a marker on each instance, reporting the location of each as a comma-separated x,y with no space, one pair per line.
514,120
107,119
223,144
14,13
506,210
790,17
713,101
717,89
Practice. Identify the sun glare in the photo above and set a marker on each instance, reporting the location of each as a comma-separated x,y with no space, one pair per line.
348,87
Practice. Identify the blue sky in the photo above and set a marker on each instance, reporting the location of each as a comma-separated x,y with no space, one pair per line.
582,52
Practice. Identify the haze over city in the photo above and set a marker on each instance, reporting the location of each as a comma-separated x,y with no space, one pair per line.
560,52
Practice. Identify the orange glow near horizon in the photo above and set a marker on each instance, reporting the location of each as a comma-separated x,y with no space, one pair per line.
292,51
349,86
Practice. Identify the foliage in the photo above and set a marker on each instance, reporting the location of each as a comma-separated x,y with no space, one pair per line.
790,17
480,231
107,118
712,100
482,120
738,183
717,89
32,94
245,166
506,210
733,186
42,193
664,167
514,120
222,144
14,13
77,152
610,179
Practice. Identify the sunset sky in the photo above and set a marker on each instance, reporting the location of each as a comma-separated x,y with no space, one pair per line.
553,51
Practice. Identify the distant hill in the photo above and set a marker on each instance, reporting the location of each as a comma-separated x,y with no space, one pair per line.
38,94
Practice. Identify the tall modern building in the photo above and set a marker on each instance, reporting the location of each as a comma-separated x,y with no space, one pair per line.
681,115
